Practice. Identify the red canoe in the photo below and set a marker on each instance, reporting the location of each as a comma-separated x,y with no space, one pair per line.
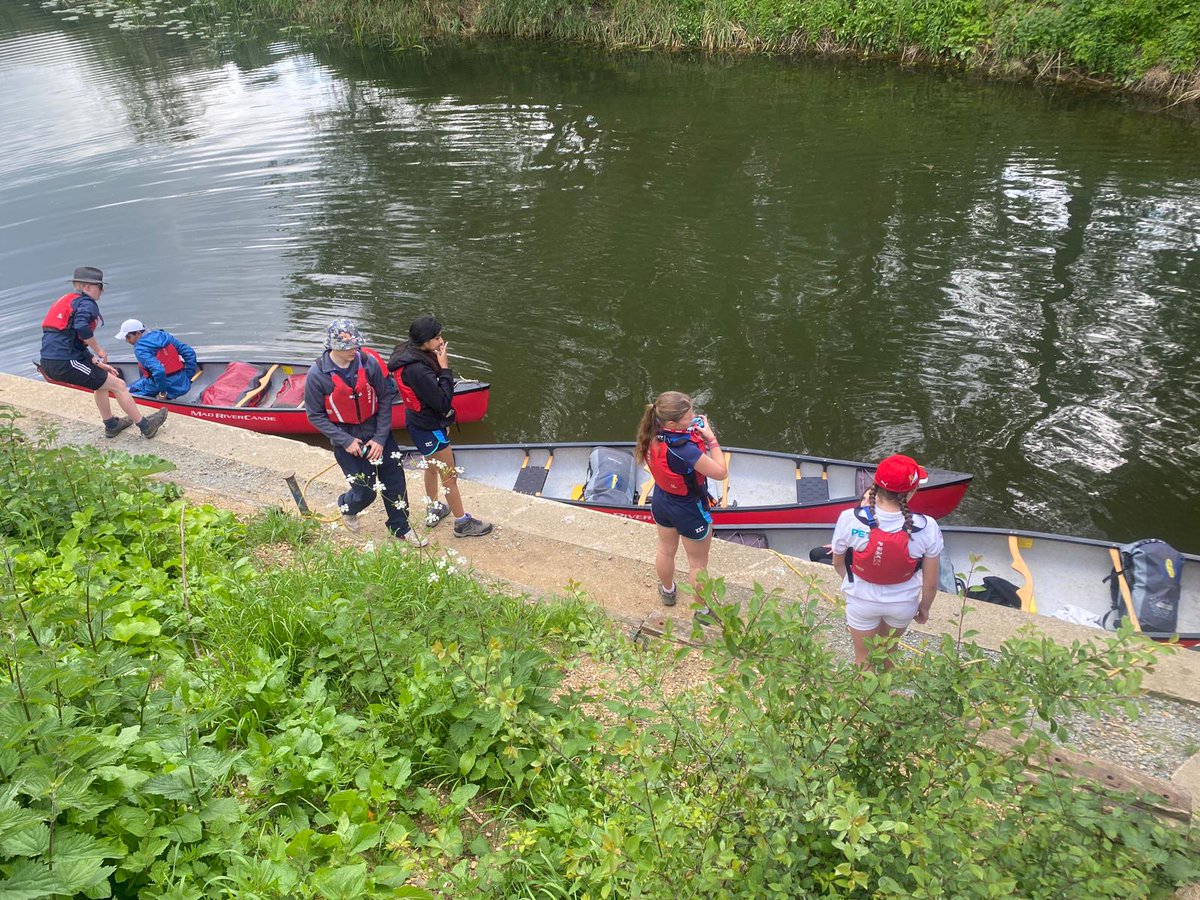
763,487
268,396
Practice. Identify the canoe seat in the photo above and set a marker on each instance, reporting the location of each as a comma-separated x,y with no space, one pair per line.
531,480
812,490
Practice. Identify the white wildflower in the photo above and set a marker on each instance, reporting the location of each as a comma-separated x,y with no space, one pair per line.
433,577
458,470
377,486
376,462
345,508
397,455
368,547
350,479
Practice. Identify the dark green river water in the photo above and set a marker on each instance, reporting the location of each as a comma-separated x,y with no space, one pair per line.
836,259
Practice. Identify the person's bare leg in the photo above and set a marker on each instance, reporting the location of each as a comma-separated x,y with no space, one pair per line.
664,559
115,387
444,469
697,557
865,641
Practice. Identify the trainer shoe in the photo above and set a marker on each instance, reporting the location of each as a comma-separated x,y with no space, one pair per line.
435,513
472,527
704,616
151,423
114,426
668,597
411,537
352,522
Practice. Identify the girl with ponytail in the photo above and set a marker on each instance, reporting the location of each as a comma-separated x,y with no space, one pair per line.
682,452
887,557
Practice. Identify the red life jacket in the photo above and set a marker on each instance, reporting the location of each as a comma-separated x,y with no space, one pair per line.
171,361
352,405
407,394
62,311
666,478
885,559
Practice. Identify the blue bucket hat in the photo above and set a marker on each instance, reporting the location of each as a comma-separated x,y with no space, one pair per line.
343,334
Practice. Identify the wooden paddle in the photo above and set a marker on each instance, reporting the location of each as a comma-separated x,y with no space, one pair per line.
1025,592
1119,574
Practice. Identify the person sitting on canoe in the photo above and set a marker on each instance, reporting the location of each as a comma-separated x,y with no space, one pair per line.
422,369
887,557
682,453
348,398
167,364
72,354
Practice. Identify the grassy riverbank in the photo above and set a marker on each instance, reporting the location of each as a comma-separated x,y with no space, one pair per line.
193,706
1152,46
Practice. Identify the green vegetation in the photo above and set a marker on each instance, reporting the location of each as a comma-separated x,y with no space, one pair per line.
194,707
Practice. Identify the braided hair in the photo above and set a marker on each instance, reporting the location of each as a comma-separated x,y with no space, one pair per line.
900,500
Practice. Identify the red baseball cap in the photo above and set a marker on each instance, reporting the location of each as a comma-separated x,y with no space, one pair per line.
900,474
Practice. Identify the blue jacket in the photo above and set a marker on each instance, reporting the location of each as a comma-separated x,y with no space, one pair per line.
69,343
158,381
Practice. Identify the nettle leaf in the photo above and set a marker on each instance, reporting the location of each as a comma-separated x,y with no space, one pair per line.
343,882
29,880
186,829
173,786
132,820
413,892
221,811
79,874
463,793
32,841
15,818
135,627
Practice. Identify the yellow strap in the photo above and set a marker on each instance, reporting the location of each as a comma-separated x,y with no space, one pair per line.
644,493
1025,592
577,492
1128,597
725,483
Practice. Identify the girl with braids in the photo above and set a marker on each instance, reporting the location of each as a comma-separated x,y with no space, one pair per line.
887,557
681,451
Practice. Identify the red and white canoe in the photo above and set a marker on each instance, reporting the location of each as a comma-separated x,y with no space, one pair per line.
763,487
268,396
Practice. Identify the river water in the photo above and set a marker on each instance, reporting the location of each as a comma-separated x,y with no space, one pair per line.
838,259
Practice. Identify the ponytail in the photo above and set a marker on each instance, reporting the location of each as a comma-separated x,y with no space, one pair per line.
900,500
669,406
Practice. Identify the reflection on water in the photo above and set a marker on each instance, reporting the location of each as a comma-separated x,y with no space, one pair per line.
842,260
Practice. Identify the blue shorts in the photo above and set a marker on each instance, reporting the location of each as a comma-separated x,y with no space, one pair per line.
428,442
687,515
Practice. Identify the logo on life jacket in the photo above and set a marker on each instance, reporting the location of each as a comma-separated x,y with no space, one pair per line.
171,361
352,405
62,311
667,479
885,559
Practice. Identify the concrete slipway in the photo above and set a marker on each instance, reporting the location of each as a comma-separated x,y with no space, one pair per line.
540,546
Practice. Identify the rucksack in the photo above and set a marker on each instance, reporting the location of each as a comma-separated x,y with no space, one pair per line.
994,589
1153,570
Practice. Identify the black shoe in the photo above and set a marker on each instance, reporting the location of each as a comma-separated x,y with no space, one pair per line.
151,423
114,426
472,528
668,597
435,513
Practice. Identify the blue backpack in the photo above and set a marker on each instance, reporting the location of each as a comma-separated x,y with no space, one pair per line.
1153,570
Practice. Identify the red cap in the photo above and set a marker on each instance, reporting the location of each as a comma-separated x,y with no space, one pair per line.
900,474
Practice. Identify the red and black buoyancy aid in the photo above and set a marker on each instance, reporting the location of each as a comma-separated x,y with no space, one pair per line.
352,405
62,311
664,476
407,394
171,361
885,559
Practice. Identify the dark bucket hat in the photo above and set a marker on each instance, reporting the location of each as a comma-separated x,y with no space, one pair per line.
88,275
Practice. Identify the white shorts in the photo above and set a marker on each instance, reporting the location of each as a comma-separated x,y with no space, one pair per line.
867,615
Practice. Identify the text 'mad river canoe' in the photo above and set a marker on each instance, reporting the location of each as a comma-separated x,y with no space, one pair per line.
268,397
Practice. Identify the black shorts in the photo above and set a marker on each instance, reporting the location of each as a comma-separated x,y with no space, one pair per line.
428,442
74,371
687,515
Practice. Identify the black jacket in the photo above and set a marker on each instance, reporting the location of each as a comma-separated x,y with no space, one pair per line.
434,387
319,385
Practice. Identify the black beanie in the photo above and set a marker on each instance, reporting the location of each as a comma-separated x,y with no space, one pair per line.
424,328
